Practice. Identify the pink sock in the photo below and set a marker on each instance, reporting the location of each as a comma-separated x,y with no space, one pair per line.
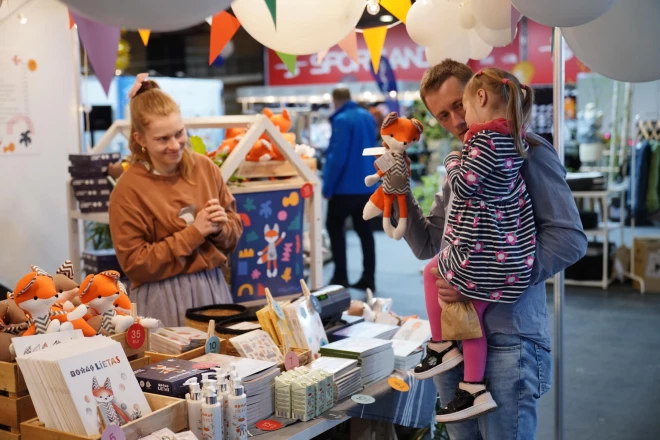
475,350
431,298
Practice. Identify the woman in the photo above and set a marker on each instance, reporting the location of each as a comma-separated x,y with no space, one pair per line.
172,218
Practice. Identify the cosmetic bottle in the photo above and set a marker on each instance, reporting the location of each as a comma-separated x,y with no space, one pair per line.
237,412
194,401
211,415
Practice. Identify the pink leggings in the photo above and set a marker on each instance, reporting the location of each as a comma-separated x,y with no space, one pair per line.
474,350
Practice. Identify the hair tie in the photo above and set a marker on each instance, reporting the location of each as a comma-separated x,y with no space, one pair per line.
523,86
505,81
141,78
479,73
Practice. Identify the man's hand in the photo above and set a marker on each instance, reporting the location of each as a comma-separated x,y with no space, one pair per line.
446,292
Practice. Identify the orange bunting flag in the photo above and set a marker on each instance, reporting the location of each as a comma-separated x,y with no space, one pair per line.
145,34
223,27
321,56
71,22
398,8
349,45
375,39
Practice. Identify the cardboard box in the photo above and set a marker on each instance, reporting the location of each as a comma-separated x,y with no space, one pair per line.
646,252
167,377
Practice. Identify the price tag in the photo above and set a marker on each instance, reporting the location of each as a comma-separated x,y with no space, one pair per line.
316,303
398,384
113,432
333,415
385,162
306,191
362,399
135,336
213,345
269,425
277,308
291,361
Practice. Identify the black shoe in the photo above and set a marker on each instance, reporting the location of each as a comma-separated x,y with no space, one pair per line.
343,283
467,405
435,363
364,285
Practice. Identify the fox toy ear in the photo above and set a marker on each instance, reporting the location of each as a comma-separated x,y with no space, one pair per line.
266,228
107,385
390,119
66,269
276,228
95,383
285,114
418,125
268,112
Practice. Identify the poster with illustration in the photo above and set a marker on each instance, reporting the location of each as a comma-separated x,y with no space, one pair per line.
269,254
16,127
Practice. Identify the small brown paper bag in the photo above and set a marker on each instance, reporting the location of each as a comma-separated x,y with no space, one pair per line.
460,321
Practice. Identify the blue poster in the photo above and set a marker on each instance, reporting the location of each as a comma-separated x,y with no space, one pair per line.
386,83
269,253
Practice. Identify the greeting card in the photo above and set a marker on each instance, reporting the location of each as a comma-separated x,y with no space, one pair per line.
257,344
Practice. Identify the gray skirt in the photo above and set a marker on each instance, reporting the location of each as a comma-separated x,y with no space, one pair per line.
169,299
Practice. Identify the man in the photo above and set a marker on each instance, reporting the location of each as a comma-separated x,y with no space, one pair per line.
353,130
519,363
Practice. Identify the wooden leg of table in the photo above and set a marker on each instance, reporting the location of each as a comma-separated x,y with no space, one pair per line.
606,242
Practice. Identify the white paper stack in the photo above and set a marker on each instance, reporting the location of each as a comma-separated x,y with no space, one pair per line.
258,378
375,356
346,373
82,385
176,340
409,342
367,330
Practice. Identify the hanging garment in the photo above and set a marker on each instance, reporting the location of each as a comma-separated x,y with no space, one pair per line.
652,199
643,159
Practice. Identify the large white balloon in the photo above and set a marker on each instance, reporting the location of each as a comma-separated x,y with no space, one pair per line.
563,13
493,37
623,43
430,20
454,45
157,15
467,19
493,14
478,49
303,26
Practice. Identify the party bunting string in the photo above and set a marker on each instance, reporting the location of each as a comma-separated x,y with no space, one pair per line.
375,40
223,28
145,34
398,8
288,60
272,8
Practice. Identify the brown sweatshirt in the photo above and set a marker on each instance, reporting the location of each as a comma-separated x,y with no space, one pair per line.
150,233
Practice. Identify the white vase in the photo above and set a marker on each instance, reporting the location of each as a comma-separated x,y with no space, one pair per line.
591,151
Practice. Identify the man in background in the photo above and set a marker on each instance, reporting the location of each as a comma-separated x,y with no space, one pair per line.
345,167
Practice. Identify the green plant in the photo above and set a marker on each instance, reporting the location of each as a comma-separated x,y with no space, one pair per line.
98,235
426,191
432,130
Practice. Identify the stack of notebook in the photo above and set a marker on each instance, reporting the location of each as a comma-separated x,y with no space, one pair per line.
346,375
408,343
258,378
375,356
177,340
366,330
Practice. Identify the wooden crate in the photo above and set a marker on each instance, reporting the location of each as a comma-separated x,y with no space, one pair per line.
168,412
11,379
15,404
273,168
304,357
132,353
140,363
188,355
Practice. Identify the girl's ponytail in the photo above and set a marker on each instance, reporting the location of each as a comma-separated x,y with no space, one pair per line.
515,115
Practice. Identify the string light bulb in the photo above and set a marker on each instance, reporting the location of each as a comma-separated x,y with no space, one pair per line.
21,18
373,7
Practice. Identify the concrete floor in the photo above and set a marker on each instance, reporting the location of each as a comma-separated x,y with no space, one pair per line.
612,348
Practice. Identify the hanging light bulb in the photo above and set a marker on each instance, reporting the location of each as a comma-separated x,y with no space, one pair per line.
21,18
373,7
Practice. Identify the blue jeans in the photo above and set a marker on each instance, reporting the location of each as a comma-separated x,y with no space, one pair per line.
519,372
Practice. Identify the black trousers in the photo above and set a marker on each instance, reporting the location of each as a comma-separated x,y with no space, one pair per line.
339,208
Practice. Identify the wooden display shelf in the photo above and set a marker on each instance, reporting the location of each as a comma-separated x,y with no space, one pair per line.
272,168
188,355
168,412
15,404
132,353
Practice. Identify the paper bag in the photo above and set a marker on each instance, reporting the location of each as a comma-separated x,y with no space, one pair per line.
460,321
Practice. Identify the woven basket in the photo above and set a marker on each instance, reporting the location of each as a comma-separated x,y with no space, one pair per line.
223,332
199,317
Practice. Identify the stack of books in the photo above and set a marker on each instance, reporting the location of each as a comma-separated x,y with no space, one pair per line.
80,386
258,378
366,330
346,375
375,356
177,340
90,185
409,342
101,260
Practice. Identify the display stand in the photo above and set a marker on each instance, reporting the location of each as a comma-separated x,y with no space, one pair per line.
257,125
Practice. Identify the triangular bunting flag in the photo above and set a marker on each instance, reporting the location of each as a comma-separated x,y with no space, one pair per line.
223,27
375,39
398,8
100,42
349,45
515,16
145,34
71,22
272,8
288,60
321,56
1,3
209,20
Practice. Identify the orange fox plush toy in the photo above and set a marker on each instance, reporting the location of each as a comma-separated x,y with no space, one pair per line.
398,135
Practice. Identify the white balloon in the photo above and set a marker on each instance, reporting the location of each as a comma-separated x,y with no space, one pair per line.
493,14
493,37
430,20
467,19
478,49
157,15
563,13
455,45
621,43
303,26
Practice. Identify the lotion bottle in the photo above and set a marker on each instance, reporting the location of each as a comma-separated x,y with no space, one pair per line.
208,382
211,416
223,399
237,412
194,402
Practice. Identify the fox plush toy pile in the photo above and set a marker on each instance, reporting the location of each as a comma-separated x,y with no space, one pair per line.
398,135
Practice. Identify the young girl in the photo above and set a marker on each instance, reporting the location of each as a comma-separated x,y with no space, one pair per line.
489,232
